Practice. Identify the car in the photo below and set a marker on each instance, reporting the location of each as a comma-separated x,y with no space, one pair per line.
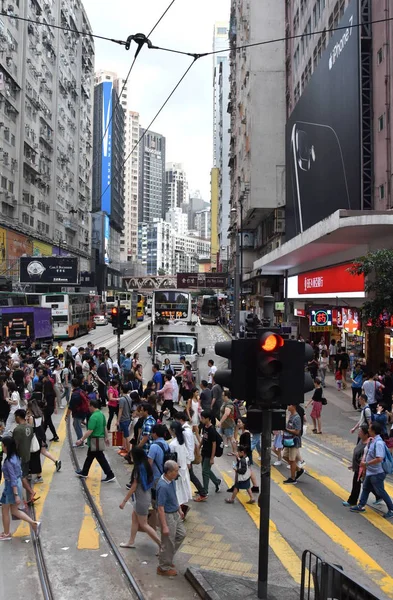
100,320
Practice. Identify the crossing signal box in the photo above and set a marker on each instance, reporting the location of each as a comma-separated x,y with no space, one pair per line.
115,316
240,378
123,318
269,367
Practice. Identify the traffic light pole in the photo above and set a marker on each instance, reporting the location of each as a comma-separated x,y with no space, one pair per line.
119,330
264,504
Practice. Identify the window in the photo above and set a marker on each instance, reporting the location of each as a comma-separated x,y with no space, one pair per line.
379,56
316,12
296,21
11,186
12,139
4,182
222,30
382,192
381,122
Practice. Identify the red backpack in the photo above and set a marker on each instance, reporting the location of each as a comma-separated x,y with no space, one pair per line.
85,402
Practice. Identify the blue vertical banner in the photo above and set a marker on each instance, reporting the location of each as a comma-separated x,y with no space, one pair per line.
106,239
106,166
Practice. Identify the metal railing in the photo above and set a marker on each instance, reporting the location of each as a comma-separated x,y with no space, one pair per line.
324,581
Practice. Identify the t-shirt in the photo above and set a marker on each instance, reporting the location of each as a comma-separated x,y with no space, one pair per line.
147,427
22,435
96,424
376,449
208,438
115,397
206,399
126,404
158,380
295,422
212,371
166,495
19,377
317,395
156,453
229,421
369,389
217,394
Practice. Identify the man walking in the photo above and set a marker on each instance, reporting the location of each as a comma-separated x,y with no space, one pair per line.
375,474
23,434
170,515
189,441
75,407
208,451
292,435
365,413
216,399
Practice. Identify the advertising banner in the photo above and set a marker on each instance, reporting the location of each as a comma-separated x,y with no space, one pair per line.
106,239
41,249
53,269
3,251
17,245
323,159
331,280
106,161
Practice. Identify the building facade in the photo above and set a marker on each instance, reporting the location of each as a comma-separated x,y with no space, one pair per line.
46,114
221,134
108,182
178,219
152,196
156,247
129,237
176,186
188,252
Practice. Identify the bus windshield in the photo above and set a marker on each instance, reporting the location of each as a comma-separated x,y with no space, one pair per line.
167,344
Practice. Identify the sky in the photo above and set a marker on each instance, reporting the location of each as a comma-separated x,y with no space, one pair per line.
187,121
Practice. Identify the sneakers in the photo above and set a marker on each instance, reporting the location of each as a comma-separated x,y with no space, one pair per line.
200,499
38,480
357,508
347,505
278,463
80,474
218,486
168,573
58,465
290,481
379,501
388,515
55,439
231,489
299,474
78,445
255,489
108,479
128,486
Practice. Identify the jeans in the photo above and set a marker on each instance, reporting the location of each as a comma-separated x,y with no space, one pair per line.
113,410
101,459
355,395
48,412
207,474
67,393
322,373
76,422
375,483
356,487
256,442
196,482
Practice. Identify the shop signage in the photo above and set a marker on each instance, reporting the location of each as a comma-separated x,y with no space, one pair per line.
317,329
300,312
202,280
279,306
330,281
321,318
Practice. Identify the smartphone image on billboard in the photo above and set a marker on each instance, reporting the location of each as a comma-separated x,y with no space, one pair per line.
319,182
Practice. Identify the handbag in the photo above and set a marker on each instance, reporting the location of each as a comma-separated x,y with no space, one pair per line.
97,444
34,444
323,401
288,442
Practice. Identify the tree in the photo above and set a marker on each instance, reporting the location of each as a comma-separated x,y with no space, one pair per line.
161,271
377,267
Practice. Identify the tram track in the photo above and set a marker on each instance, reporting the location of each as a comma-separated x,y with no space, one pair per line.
103,341
43,574
130,580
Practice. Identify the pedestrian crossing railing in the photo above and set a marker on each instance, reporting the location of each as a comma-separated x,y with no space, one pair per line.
321,580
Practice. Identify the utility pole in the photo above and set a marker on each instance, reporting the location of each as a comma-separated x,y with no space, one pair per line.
237,287
264,504
119,330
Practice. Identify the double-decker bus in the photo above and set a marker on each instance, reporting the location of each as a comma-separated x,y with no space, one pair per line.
210,310
71,313
140,311
128,300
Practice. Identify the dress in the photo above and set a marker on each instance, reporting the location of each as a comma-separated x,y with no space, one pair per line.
195,409
183,484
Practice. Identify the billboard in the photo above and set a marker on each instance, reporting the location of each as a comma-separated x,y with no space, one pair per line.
106,157
107,231
202,280
49,269
323,149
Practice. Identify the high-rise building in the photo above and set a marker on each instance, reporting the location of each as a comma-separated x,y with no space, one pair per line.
195,203
108,181
221,134
155,247
178,219
203,223
151,176
46,113
176,187
129,237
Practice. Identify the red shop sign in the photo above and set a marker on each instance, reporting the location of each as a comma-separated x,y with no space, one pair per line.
331,280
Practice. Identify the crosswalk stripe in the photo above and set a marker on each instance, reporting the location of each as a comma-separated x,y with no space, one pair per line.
285,554
339,537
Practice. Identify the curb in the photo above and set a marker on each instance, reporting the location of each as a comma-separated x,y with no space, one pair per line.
200,584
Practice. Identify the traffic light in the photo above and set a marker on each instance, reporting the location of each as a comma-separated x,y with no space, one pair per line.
123,318
269,367
115,316
240,378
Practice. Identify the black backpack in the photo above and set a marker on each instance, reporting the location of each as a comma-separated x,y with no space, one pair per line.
168,455
219,445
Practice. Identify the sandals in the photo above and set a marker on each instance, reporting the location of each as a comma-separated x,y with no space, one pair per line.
5,537
314,431
125,545
251,501
229,501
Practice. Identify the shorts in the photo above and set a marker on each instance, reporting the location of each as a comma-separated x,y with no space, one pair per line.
228,432
8,496
124,427
290,453
243,485
25,466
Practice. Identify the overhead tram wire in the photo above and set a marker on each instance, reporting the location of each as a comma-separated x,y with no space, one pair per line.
195,56
140,44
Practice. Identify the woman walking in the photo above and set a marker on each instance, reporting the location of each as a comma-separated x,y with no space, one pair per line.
323,363
14,403
183,484
34,417
140,490
50,407
11,499
357,457
316,407
193,411
356,385
113,401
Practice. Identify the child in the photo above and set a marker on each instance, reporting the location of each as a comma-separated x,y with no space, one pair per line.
245,440
339,379
277,447
243,476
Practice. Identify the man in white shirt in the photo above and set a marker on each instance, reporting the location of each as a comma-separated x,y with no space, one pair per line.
189,441
212,371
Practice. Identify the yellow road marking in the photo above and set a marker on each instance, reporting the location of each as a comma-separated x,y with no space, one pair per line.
48,470
367,564
278,544
89,537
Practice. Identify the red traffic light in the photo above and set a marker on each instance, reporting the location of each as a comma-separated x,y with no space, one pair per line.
270,342
114,311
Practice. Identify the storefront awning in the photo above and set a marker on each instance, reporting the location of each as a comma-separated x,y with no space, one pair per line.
343,236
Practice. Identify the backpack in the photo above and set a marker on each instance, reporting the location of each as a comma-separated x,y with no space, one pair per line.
62,376
387,463
219,445
85,402
168,455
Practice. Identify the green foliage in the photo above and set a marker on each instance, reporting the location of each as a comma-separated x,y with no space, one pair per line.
377,267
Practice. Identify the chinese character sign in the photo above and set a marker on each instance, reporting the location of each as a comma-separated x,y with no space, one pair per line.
321,318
